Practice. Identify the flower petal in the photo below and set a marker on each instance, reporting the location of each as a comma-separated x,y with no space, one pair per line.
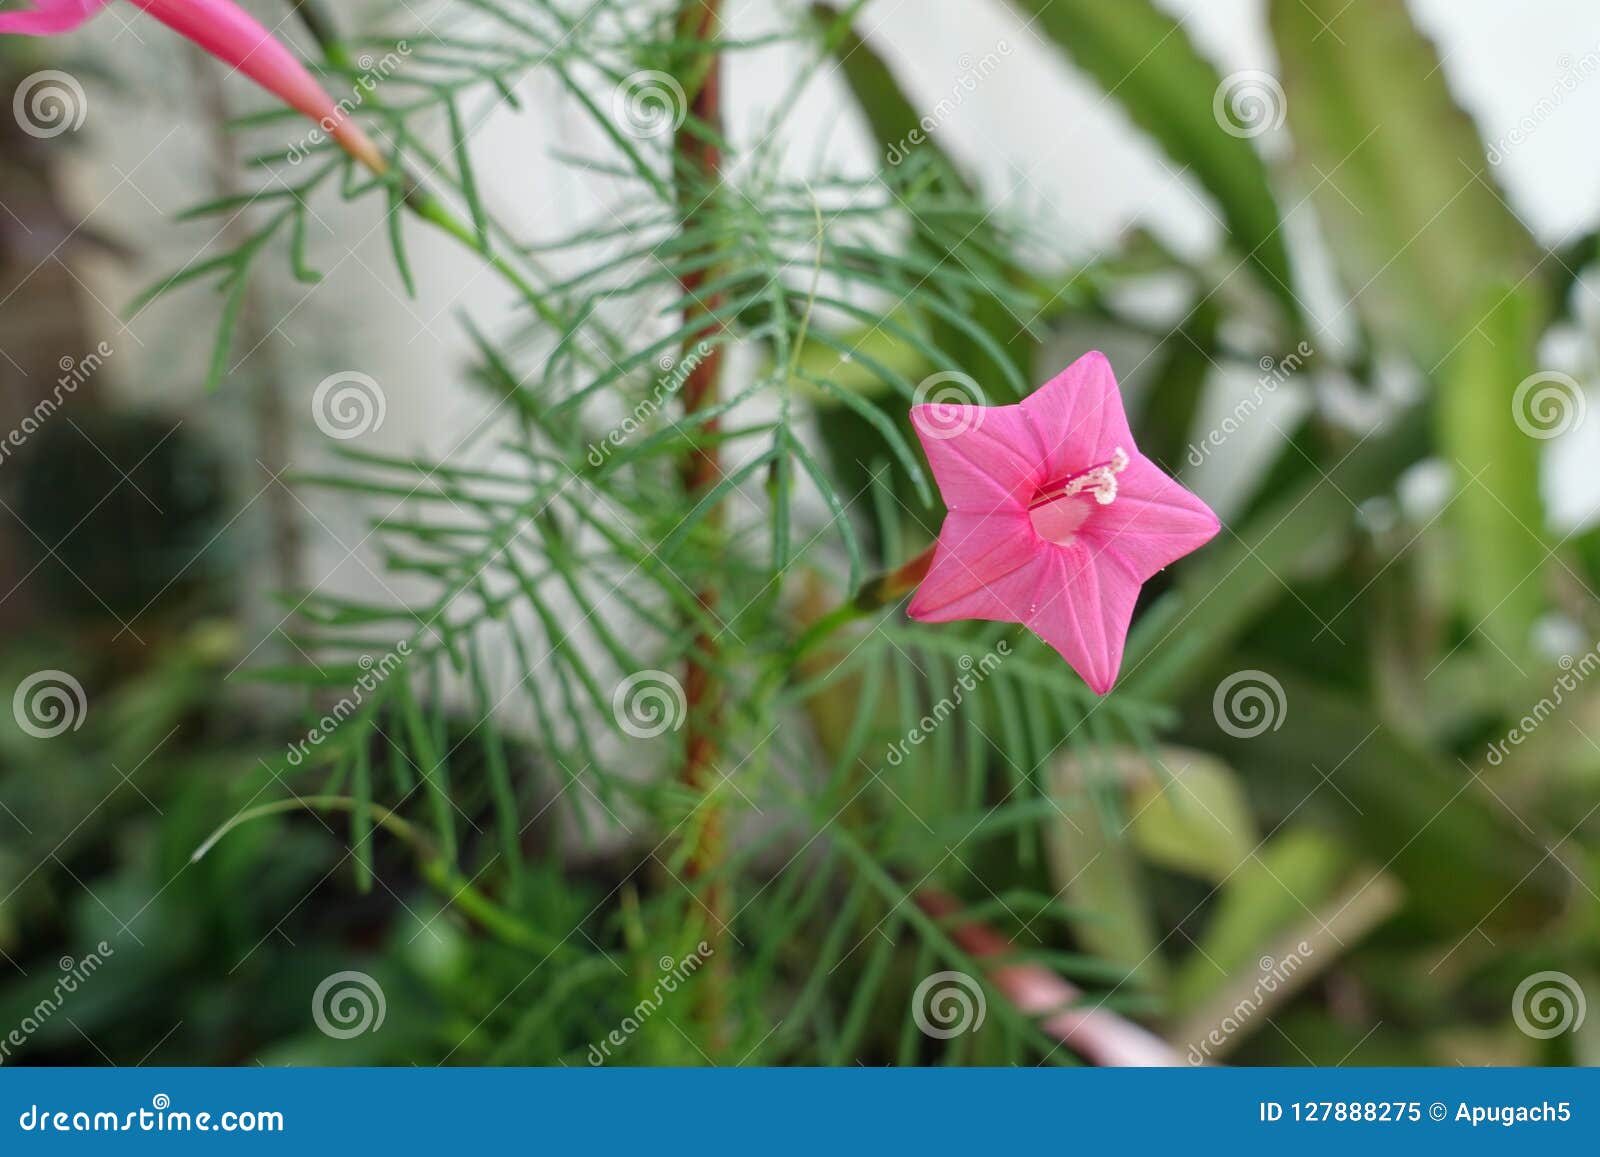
1153,522
236,38
48,17
982,456
1084,603
984,567
1078,417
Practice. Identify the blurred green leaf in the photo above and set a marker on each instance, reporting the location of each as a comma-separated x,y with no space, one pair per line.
1397,171
1167,417
1496,511
1300,867
1250,990
1092,862
990,331
891,117
1191,815
1144,59
1397,804
1247,569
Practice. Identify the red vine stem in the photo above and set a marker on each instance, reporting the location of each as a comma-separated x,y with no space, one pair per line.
699,165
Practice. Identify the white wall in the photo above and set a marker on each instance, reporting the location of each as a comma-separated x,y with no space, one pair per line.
1043,140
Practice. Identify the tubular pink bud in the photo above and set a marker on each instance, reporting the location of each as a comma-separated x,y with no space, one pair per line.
233,36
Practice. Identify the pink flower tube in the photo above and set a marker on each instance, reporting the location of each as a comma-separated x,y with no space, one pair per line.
234,37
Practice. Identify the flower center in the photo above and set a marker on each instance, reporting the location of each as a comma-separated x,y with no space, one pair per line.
1058,510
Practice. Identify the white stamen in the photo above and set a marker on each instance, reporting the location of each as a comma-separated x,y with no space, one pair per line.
1102,480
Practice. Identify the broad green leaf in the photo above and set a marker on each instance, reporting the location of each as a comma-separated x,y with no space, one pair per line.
1190,814
1397,172
895,124
1251,990
1298,869
1166,418
859,360
1395,803
1245,569
1142,57
1487,437
989,330
1093,862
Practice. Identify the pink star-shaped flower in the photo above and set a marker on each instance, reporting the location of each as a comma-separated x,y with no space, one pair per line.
1056,520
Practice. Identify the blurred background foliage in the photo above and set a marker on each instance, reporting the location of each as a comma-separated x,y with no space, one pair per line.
516,888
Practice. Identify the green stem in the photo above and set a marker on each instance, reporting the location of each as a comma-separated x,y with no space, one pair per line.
425,205
320,25
883,591
456,889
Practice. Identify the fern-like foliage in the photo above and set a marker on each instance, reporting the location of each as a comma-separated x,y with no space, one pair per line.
554,566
